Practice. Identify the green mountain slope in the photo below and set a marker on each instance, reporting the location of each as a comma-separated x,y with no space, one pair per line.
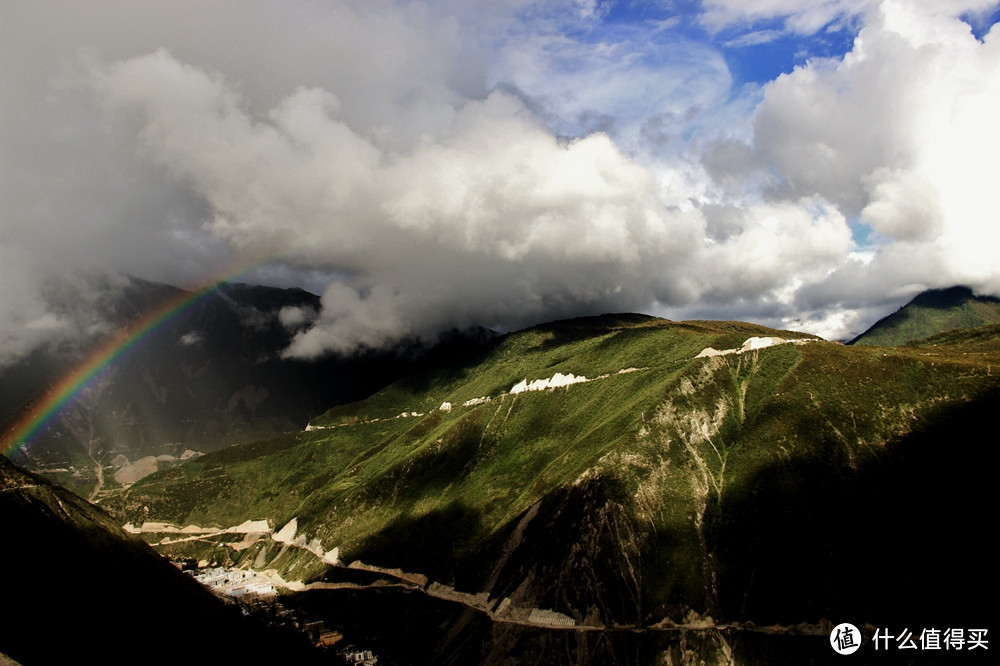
205,377
782,484
932,312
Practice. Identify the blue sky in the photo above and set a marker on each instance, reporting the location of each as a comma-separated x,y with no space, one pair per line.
423,165
755,52
760,63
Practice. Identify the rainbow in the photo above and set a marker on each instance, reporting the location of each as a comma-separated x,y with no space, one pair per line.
64,392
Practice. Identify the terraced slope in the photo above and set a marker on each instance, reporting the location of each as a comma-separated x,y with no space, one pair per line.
780,484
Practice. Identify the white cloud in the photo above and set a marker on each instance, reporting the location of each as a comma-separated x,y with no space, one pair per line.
44,302
900,134
294,317
803,17
494,219
808,17
497,163
774,247
577,83
754,38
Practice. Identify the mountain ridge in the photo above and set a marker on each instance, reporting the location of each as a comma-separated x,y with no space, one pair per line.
207,376
687,489
929,313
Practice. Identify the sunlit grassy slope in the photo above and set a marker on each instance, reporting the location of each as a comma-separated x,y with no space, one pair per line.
932,312
741,486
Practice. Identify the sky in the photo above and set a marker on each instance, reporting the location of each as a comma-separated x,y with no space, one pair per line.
808,165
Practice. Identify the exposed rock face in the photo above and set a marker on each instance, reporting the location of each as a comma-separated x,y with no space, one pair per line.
576,551
287,533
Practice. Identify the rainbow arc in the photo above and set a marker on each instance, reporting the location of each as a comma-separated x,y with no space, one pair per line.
62,395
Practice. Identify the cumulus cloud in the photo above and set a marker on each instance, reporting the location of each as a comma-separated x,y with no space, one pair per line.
494,219
426,166
900,136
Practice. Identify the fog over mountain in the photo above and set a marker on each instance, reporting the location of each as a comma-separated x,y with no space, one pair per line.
431,165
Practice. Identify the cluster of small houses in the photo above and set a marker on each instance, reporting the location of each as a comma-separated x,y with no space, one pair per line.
233,582
238,583
363,657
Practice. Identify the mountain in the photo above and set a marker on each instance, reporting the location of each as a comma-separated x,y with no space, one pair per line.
76,585
687,492
210,375
931,312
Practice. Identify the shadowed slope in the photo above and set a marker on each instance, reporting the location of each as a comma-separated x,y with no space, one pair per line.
75,583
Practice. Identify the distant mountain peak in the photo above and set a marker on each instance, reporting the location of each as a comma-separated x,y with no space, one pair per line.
931,312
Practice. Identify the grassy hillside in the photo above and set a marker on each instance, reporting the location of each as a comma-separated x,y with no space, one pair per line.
745,486
207,376
932,312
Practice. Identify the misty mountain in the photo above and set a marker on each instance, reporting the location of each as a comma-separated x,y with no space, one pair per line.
932,312
210,375
693,492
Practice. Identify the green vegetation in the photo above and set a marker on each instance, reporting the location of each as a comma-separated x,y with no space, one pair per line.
932,312
679,485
